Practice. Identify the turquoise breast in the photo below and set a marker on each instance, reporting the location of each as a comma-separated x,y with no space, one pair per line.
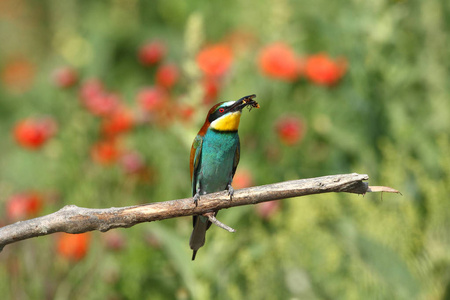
216,166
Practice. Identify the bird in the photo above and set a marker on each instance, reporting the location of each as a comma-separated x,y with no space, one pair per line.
214,158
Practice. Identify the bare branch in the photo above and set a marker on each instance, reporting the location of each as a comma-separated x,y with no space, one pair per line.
216,222
74,219
382,189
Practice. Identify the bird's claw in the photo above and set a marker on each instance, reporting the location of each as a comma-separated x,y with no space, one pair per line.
230,191
196,198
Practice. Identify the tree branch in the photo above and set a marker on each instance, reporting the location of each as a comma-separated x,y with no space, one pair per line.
74,219
216,222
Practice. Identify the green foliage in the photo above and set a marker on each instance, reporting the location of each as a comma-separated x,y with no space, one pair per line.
387,117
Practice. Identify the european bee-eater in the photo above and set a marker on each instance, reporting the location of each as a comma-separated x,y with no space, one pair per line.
214,158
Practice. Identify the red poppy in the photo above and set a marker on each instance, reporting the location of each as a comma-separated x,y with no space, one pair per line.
33,133
102,104
105,152
133,165
24,205
152,99
152,53
167,76
132,162
215,60
120,121
279,61
97,100
73,246
290,130
91,88
64,77
242,179
323,70
211,88
186,112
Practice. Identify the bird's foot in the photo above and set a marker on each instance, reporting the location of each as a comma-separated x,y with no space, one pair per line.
230,191
197,197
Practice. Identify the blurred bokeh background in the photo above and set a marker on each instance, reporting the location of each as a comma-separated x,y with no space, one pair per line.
100,101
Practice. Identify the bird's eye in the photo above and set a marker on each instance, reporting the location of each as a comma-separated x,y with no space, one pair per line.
221,110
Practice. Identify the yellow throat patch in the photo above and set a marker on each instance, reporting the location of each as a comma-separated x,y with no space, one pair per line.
229,122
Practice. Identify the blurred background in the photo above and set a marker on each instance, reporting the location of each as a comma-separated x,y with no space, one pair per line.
100,102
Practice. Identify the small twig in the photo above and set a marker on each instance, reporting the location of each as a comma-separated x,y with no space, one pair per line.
382,189
216,222
74,219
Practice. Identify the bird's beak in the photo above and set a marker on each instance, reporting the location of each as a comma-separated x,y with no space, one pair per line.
243,102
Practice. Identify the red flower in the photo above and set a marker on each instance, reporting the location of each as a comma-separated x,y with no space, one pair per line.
23,206
167,76
73,246
211,87
152,99
132,162
102,104
91,89
185,112
64,77
242,179
97,100
323,70
33,133
290,130
152,53
215,60
266,210
279,61
120,121
105,152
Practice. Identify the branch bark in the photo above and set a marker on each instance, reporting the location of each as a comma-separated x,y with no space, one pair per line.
74,219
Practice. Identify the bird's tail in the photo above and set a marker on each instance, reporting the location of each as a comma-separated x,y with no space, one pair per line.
194,253
197,239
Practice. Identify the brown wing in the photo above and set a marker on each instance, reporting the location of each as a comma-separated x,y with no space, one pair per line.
196,154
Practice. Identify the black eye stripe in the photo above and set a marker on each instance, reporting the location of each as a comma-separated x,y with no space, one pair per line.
219,112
